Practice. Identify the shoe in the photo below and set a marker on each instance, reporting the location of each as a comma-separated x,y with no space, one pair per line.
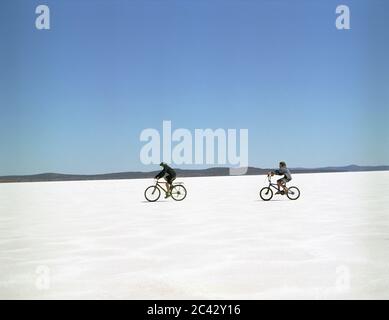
278,192
168,194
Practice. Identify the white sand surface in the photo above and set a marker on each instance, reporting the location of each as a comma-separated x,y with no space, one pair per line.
101,239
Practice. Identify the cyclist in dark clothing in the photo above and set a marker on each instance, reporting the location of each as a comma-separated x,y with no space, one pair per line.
283,170
169,174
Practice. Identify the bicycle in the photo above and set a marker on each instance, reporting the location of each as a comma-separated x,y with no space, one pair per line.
177,192
266,193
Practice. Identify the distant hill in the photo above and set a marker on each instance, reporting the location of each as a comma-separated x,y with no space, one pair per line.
180,172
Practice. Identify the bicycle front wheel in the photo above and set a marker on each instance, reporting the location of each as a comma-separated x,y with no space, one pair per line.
266,193
152,193
293,193
178,192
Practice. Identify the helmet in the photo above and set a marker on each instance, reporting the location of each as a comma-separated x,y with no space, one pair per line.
282,164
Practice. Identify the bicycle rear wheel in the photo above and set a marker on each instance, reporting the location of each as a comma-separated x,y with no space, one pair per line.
152,193
293,193
178,192
266,193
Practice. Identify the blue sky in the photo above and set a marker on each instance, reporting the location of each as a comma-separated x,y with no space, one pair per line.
74,99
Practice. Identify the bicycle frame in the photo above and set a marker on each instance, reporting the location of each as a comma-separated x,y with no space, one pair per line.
272,184
158,184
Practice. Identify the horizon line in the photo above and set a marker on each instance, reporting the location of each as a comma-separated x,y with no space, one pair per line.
215,167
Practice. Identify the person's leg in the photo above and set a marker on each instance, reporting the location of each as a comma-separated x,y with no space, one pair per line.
279,183
169,185
284,185
171,179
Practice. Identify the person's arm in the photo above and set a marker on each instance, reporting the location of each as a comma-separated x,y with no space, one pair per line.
280,172
161,174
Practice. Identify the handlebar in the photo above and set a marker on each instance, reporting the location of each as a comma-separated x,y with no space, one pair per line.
269,175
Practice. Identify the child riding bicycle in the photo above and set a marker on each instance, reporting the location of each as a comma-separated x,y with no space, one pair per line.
283,170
